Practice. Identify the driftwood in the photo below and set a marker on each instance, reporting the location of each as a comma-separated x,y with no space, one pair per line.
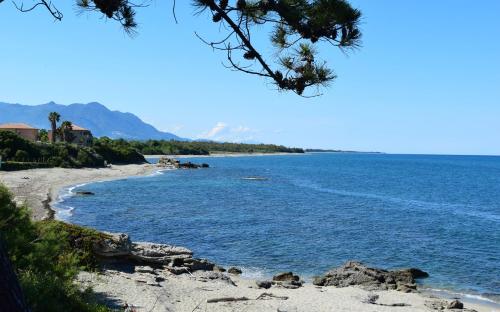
268,296
372,299
263,296
227,299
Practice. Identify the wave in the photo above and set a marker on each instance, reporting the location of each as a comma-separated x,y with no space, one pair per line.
424,205
64,212
450,294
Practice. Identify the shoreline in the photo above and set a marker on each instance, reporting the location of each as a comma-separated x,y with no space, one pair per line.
226,154
40,188
138,289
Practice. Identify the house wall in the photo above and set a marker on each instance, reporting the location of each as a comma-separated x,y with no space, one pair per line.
29,134
80,137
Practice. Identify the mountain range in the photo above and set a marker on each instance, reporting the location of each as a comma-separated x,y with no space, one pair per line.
93,116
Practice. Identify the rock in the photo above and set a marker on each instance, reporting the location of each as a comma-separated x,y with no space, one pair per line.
198,264
264,284
407,288
355,273
234,270
288,284
178,270
158,253
219,269
219,276
455,304
115,245
168,162
286,276
416,273
84,193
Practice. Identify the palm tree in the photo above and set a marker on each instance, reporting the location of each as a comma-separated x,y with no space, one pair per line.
54,118
66,127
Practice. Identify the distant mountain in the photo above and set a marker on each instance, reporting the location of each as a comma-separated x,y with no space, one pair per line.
93,116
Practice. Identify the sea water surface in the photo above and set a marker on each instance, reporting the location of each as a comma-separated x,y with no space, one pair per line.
312,212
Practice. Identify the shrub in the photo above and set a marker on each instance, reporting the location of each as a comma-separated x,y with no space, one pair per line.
21,155
45,260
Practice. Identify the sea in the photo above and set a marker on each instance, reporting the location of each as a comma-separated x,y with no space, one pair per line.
309,213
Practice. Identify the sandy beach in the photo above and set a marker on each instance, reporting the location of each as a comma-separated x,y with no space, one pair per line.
157,289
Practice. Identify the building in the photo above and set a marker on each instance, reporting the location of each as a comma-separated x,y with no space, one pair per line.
78,135
23,130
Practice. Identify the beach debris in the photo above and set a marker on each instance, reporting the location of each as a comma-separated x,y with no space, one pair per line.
263,296
264,284
234,270
355,273
269,296
227,299
373,298
455,304
84,193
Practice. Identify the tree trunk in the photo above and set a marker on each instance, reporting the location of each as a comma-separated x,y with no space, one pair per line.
11,295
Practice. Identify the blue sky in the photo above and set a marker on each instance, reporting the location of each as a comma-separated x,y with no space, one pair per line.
427,79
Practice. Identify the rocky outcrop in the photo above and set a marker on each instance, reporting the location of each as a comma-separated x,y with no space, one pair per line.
355,273
166,162
177,260
287,280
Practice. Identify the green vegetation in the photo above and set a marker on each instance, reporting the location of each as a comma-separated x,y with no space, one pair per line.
19,153
155,147
47,256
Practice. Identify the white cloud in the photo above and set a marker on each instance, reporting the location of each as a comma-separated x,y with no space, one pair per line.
223,132
211,134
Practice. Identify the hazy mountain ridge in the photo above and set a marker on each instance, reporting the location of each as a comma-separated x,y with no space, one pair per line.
94,116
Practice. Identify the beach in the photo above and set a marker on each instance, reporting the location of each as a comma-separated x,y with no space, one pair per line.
154,288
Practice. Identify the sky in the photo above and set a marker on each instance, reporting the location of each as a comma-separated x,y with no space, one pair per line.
426,79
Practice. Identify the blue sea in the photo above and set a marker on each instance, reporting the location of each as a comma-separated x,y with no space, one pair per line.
309,213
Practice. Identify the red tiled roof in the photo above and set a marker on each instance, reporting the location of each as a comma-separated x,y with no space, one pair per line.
78,128
16,126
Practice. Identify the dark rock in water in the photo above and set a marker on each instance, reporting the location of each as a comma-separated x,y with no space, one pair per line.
84,193
455,304
286,276
264,284
355,273
167,162
234,270
416,273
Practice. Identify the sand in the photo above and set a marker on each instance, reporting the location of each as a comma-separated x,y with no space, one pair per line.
148,289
